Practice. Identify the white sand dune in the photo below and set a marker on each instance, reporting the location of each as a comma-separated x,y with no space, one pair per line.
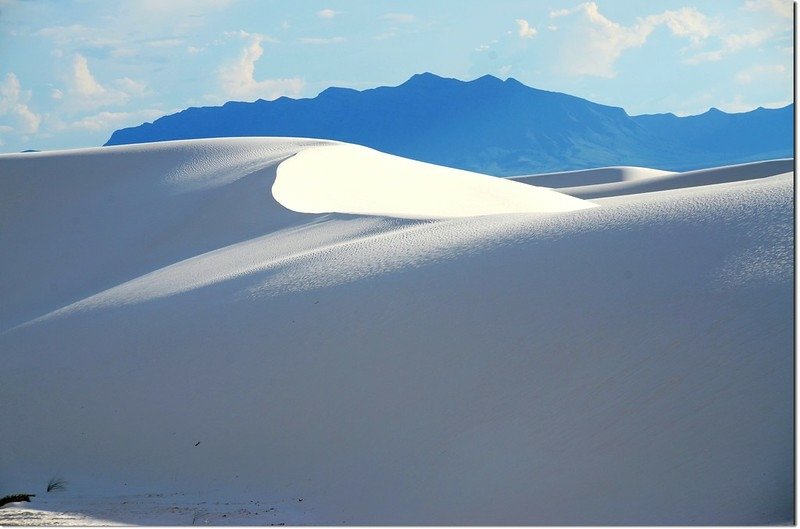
174,335
601,183
358,180
585,177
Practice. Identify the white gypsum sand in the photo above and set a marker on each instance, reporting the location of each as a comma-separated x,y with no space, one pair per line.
585,177
357,180
183,348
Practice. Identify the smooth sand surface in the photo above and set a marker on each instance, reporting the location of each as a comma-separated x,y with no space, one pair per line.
182,347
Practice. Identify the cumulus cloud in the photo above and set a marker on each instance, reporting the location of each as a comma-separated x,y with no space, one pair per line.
525,30
327,13
733,43
83,82
14,106
685,22
84,92
597,42
238,81
398,18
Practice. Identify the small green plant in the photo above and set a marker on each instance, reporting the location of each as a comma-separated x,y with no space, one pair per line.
56,484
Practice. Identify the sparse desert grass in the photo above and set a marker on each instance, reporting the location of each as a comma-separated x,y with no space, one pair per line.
56,484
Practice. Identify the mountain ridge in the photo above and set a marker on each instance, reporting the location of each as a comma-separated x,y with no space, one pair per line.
494,126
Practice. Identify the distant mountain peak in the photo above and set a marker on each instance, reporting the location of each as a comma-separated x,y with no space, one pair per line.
488,78
491,126
428,79
426,76
337,90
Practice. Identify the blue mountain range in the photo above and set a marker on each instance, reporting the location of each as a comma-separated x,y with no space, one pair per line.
491,126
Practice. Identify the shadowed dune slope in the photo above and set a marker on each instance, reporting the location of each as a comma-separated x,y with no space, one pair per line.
614,182
585,177
169,327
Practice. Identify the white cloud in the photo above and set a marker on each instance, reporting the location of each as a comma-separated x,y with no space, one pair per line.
242,34
327,13
733,43
705,56
751,39
562,12
56,94
112,120
238,81
193,50
317,40
596,42
398,18
83,82
781,8
14,105
77,35
525,30
685,22
85,92
758,71
62,34
134,88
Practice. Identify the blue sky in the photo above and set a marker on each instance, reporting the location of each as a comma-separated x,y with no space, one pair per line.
72,72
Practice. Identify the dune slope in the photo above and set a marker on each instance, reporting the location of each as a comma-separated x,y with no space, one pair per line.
325,180
618,181
189,335
585,177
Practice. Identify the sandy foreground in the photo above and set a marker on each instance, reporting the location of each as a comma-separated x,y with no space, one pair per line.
277,330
